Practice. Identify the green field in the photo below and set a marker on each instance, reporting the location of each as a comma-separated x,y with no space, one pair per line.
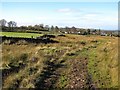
18,34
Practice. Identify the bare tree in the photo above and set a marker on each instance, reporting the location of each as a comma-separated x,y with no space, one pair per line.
12,24
73,29
30,27
52,28
3,22
56,29
67,29
36,27
47,27
41,26
88,31
100,32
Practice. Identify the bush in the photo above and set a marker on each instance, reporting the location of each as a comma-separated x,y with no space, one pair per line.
94,41
32,70
105,50
83,42
13,61
62,35
48,36
63,81
71,54
6,42
21,42
24,56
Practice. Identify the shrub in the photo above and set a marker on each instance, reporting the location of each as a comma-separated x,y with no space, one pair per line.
48,36
6,42
21,42
63,81
94,41
62,35
105,50
83,42
32,70
71,54
24,56
93,46
13,60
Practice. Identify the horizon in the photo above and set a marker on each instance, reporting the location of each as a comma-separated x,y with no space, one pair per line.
97,15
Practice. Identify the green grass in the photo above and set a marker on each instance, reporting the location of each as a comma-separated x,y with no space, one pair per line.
63,81
18,34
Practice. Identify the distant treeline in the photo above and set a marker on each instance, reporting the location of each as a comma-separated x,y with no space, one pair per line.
11,26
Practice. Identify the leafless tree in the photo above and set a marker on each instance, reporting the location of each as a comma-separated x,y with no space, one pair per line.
3,22
12,24
47,27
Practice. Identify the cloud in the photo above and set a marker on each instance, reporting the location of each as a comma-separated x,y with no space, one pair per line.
68,10
90,15
64,10
73,17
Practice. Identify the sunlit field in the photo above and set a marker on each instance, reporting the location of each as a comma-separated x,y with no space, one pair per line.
76,61
18,34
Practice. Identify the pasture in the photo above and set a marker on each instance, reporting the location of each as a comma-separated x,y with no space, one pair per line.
18,34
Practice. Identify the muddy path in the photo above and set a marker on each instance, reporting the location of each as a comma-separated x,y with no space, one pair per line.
79,76
49,75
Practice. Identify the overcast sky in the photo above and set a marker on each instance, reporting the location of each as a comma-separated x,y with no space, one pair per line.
103,15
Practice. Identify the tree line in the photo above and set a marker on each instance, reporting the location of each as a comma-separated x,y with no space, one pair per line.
11,26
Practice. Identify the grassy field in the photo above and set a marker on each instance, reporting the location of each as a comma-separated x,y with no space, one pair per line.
18,34
75,62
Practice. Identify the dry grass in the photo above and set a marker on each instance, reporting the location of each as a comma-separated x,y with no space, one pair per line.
99,51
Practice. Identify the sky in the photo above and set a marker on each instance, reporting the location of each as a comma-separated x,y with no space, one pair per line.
99,15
